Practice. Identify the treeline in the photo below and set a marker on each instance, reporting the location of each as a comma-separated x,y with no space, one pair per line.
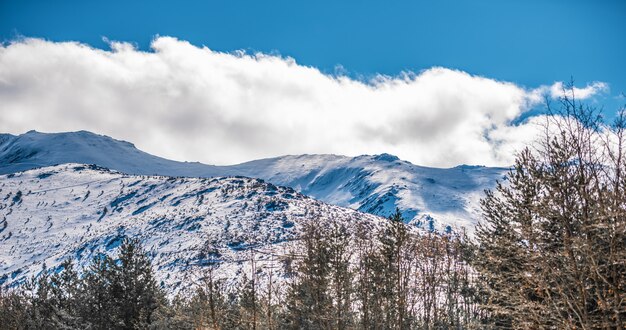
390,278
110,293
383,278
333,278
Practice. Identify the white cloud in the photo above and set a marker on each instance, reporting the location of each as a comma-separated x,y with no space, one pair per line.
557,90
189,103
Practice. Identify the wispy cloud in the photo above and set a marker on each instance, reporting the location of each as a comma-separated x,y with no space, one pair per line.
558,90
191,103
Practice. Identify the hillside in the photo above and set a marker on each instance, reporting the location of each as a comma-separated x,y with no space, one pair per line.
72,210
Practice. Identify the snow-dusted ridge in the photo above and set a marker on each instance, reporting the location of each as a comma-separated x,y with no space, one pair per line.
74,210
432,198
429,197
34,149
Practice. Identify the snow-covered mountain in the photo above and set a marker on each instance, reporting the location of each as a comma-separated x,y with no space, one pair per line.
73,210
34,149
431,197
192,212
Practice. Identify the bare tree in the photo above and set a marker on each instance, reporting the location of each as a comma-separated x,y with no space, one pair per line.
551,250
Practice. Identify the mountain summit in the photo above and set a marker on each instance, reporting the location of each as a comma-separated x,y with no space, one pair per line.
432,198
35,149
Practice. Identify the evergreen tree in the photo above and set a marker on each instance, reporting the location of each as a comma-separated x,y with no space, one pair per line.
135,290
370,275
99,305
66,293
14,309
121,293
309,302
395,271
342,275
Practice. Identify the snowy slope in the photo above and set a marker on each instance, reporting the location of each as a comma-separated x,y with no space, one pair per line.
52,213
430,197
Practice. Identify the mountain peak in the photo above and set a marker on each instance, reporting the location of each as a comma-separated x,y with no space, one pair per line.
81,134
385,157
36,149
376,184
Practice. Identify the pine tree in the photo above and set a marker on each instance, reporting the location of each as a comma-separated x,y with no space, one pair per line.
136,292
66,296
14,309
100,283
342,275
393,248
121,293
309,302
370,275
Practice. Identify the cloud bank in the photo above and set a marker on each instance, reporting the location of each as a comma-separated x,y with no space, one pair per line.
190,103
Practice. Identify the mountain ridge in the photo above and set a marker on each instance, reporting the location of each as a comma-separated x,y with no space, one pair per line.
441,199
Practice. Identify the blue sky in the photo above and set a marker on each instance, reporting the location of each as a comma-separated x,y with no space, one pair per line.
529,43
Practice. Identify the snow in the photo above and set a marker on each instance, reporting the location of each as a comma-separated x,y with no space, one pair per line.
34,149
50,214
375,184
379,184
